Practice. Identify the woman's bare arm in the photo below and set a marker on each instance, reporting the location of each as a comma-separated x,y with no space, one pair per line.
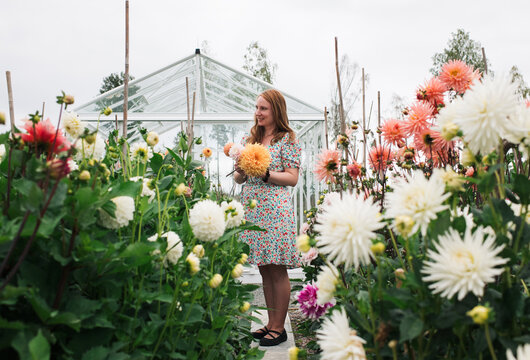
288,177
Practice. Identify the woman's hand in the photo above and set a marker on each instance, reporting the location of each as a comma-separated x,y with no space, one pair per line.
239,176
239,170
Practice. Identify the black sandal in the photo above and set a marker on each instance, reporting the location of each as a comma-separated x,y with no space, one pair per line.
260,333
275,340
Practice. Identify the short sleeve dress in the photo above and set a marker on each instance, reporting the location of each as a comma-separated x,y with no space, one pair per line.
274,211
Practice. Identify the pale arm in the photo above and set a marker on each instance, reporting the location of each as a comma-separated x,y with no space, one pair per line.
288,177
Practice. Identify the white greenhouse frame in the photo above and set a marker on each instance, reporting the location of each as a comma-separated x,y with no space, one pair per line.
225,101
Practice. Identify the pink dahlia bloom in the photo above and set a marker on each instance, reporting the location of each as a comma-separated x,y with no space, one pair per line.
380,158
418,117
307,298
441,144
309,256
327,165
354,170
393,132
43,133
432,91
304,228
457,75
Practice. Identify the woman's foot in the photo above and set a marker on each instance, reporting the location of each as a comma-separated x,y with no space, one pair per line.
260,333
273,338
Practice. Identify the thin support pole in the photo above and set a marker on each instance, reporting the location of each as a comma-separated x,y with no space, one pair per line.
188,108
341,109
326,126
192,121
364,121
485,62
379,115
43,107
126,80
11,106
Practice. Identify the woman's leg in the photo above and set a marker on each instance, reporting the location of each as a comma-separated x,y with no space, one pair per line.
268,289
281,295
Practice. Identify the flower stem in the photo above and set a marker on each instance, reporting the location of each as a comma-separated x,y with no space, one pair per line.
490,344
396,248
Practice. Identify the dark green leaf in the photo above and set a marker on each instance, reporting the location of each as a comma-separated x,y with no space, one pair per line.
410,327
39,348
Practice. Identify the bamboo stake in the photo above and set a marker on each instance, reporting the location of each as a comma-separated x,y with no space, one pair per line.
126,80
364,121
116,119
485,62
326,126
43,107
188,107
10,97
341,109
379,115
192,121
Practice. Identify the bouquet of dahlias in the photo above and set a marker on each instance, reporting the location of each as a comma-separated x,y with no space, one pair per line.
253,159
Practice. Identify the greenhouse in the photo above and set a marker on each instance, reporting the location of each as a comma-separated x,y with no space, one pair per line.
223,112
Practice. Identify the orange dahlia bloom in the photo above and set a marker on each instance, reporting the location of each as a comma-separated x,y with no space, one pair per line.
226,148
255,160
433,92
207,152
459,76
327,165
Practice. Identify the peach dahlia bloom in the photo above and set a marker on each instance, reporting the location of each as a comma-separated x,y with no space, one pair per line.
255,160
327,165
226,148
457,75
393,132
418,117
380,157
432,91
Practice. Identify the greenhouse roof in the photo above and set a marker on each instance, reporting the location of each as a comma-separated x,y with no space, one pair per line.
222,94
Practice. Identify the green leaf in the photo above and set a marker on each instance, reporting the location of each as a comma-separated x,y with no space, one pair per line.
156,162
97,353
60,195
206,337
164,182
138,253
39,348
30,195
66,318
410,327
129,188
12,325
521,186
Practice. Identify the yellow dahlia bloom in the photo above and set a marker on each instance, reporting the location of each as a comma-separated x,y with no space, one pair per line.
255,160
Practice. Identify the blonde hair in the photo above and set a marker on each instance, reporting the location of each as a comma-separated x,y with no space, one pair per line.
279,114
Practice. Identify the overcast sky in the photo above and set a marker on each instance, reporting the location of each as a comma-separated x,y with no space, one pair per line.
71,45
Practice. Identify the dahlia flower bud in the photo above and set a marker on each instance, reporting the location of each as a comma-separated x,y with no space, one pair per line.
68,99
2,118
400,276
198,141
404,224
378,248
302,243
107,111
215,281
198,250
152,138
479,314
449,131
468,158
90,139
293,353
181,189
253,203
193,263
84,175
244,307
243,258
237,271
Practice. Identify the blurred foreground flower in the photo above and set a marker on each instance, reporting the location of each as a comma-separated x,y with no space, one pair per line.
523,353
338,341
459,266
307,299
327,280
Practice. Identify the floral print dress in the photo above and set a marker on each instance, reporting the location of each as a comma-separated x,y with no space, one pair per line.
274,211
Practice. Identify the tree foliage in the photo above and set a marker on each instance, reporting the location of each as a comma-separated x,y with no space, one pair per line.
517,78
113,81
258,64
460,47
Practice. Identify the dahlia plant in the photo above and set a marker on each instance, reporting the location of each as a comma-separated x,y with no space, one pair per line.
113,250
425,251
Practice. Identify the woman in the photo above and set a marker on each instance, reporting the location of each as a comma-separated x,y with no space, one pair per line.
273,250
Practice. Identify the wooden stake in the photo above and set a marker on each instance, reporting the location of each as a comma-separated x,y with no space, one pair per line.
485,62
188,108
43,107
379,115
126,80
326,126
192,121
341,109
10,97
116,119
364,121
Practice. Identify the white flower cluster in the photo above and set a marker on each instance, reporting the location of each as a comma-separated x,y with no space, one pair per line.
174,247
234,213
417,198
338,341
146,190
141,152
346,228
123,214
72,125
96,150
207,220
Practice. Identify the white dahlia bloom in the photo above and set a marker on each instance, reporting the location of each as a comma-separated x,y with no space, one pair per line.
207,220
459,266
96,150
234,213
146,190
519,210
523,353
72,125
174,247
338,341
141,152
518,129
483,116
346,228
123,214
327,280
2,151
235,151
417,197
152,138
